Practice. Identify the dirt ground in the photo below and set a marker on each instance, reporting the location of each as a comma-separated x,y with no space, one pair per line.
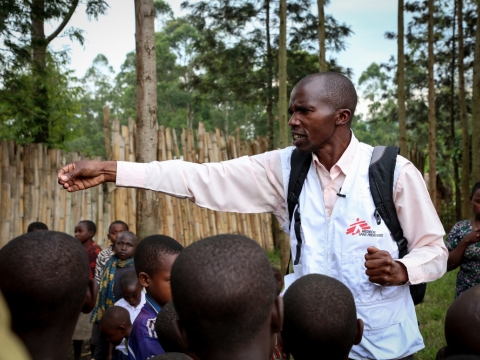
85,351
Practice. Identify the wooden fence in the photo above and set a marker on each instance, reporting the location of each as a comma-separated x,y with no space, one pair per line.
30,192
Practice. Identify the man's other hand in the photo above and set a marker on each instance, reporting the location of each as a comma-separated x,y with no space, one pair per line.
81,175
382,269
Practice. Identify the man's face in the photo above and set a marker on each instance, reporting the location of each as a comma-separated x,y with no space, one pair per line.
124,248
113,335
114,231
312,121
133,295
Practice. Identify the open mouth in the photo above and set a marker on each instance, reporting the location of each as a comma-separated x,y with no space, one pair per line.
297,137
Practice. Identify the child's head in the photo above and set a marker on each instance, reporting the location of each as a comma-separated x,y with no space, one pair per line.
278,278
224,293
115,229
125,245
131,288
320,317
116,324
462,324
45,280
153,259
85,230
165,329
36,226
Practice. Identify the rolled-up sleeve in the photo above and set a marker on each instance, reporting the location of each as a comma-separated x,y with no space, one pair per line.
427,255
247,185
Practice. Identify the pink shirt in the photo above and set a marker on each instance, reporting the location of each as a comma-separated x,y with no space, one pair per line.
255,185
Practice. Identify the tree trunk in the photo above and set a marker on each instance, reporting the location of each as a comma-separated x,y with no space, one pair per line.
39,72
456,177
432,147
147,138
476,105
402,115
269,108
322,61
466,208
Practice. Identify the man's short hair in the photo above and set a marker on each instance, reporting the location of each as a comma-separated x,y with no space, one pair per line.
319,317
166,334
172,356
45,276
149,253
462,324
129,279
90,225
341,92
118,222
36,226
223,290
115,316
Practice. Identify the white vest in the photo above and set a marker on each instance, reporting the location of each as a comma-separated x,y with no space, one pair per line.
336,247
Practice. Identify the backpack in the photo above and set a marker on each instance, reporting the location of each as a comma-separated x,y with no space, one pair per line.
381,176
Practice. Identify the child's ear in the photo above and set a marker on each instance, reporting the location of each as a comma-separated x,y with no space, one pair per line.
144,279
276,322
358,338
91,233
181,334
90,296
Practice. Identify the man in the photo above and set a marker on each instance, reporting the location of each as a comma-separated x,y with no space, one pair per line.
321,107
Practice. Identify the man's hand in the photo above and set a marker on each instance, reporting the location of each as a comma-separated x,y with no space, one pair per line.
81,175
382,269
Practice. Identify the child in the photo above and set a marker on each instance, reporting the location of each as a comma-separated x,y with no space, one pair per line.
110,290
224,292
320,319
37,226
462,325
133,301
117,326
45,281
114,230
154,258
84,232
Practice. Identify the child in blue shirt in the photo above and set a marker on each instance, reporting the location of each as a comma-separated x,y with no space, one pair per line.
153,259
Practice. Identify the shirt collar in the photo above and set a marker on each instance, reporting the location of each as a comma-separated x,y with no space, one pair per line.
344,163
152,303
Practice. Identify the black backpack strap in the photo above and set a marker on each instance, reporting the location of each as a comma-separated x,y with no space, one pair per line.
381,176
299,167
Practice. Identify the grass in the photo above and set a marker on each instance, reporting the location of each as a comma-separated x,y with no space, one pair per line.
431,314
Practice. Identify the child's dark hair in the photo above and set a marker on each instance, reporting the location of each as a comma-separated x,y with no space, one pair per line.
475,188
118,222
166,334
150,250
90,225
36,226
319,317
129,280
223,290
115,316
45,276
171,356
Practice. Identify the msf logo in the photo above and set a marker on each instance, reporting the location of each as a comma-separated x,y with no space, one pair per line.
357,227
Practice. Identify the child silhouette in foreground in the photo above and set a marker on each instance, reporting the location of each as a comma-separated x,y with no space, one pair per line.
224,292
320,319
116,326
36,226
154,258
462,325
46,283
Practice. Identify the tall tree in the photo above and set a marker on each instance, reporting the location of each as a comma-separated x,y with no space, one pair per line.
466,209
476,105
432,141
147,138
402,114
322,61
282,76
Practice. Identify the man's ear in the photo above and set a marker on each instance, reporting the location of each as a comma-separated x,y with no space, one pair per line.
358,338
343,116
90,297
181,334
277,315
144,279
